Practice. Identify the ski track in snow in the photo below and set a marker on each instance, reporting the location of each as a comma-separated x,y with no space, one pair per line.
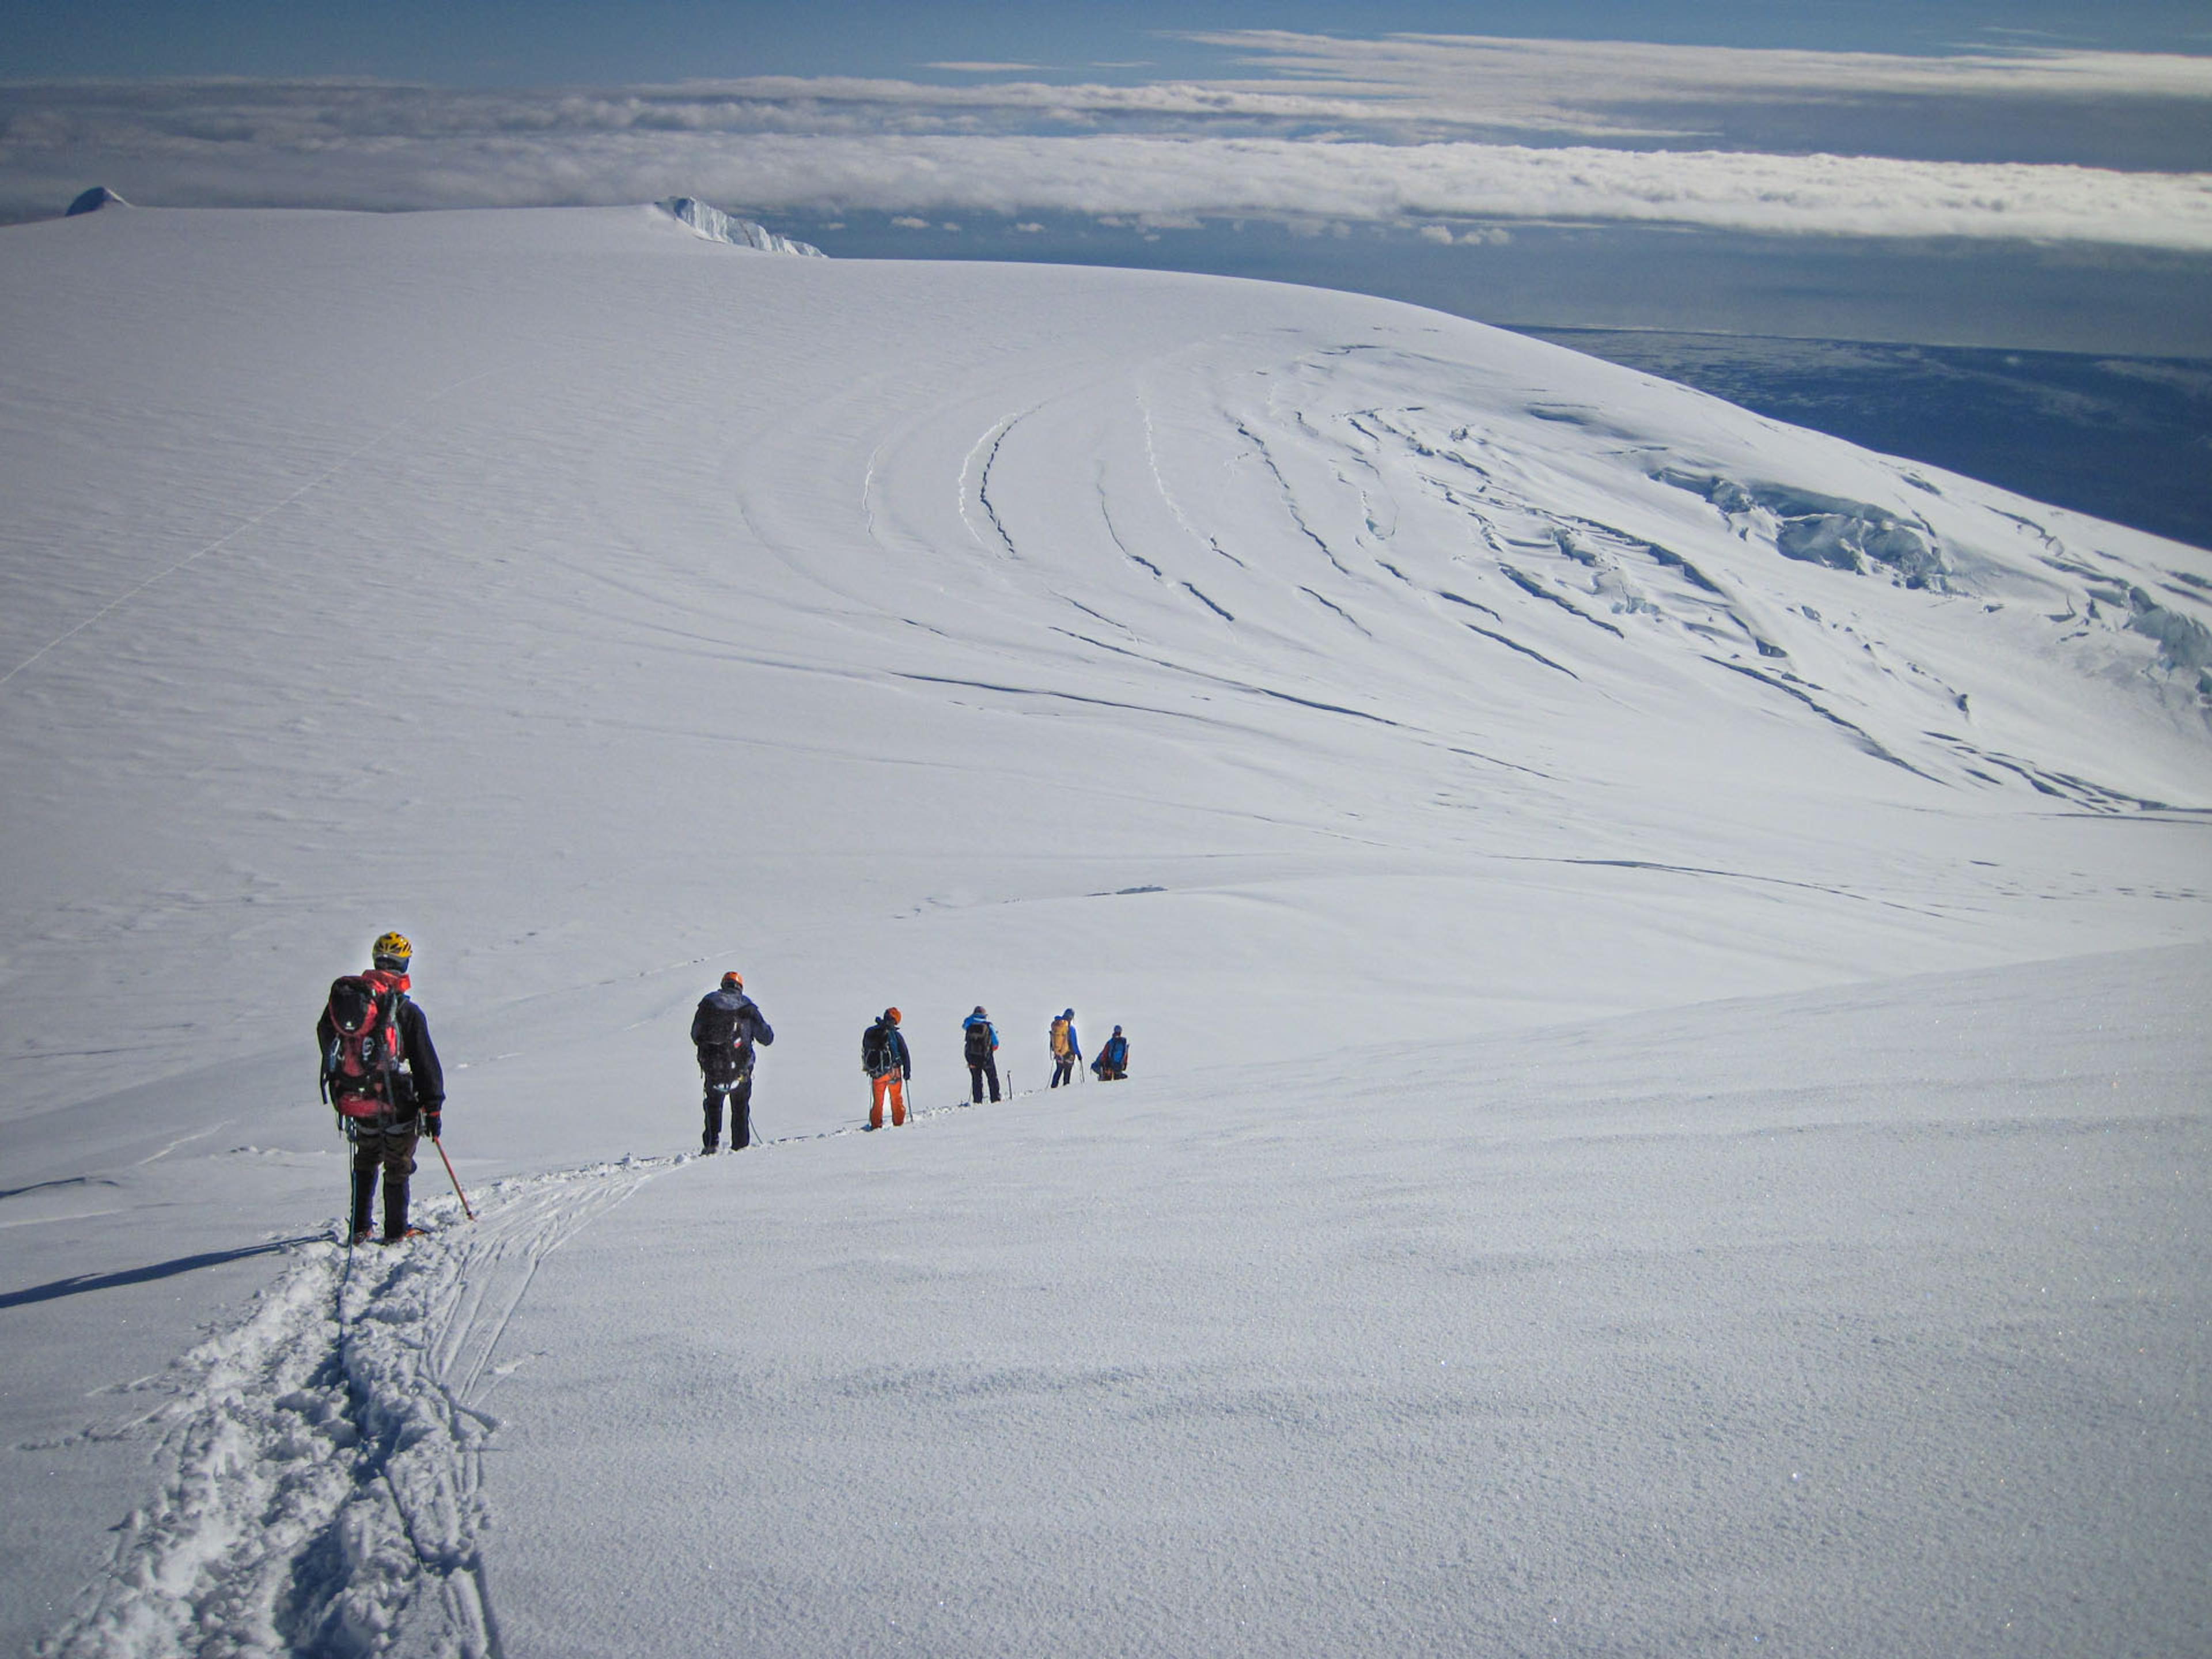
322,1482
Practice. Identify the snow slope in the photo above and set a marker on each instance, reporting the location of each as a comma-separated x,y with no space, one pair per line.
1413,732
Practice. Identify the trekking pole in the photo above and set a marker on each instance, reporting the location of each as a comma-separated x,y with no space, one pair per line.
451,1176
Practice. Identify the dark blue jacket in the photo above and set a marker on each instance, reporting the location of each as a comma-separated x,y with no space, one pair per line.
724,1030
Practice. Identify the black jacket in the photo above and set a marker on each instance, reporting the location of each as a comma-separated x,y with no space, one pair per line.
422,1086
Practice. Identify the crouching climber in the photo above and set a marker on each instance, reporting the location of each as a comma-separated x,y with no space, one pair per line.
1112,1064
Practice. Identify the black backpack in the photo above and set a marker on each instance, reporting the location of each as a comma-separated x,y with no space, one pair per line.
977,1044
725,1039
876,1047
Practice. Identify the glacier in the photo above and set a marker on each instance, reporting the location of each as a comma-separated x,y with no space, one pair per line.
1665,954
716,225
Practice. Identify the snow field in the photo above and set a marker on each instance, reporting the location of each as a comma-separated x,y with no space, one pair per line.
1856,1316
1843,1319
1422,740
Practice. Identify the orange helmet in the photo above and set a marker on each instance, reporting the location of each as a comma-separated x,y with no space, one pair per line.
892,1015
733,981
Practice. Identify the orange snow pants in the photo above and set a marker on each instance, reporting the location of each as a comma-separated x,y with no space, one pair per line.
890,1083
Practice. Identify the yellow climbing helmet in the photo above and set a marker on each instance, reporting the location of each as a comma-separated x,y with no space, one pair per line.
394,945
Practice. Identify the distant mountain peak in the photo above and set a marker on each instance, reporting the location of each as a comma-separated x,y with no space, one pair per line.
92,200
717,226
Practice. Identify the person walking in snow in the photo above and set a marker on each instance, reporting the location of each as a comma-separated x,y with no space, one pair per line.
1112,1064
979,1046
724,1032
1067,1049
381,1072
885,1057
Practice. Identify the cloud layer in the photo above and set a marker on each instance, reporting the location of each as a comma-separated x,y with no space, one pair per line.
1407,130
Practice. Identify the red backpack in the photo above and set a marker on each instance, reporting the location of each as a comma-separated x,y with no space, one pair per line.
364,1048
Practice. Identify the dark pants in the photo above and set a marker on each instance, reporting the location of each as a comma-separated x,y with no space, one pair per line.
1063,1071
740,1095
979,1070
390,1149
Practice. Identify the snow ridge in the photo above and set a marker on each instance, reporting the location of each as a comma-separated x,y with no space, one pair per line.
92,200
323,1485
716,225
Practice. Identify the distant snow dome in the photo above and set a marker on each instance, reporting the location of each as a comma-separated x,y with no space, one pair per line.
717,226
92,200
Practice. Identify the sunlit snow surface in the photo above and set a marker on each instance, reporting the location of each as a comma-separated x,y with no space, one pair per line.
1409,732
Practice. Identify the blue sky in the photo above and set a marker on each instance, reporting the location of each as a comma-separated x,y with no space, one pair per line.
529,41
2024,174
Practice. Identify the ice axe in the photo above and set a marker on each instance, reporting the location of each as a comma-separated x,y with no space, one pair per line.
451,1176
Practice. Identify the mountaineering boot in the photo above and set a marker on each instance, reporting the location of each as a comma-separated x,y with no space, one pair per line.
395,1206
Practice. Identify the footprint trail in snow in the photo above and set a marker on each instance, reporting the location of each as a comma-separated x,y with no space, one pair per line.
321,1462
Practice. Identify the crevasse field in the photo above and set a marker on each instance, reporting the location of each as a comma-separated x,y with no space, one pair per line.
1666,962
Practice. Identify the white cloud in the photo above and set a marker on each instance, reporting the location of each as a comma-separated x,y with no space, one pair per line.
1397,88
908,221
1122,179
1437,233
1373,132
1461,71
